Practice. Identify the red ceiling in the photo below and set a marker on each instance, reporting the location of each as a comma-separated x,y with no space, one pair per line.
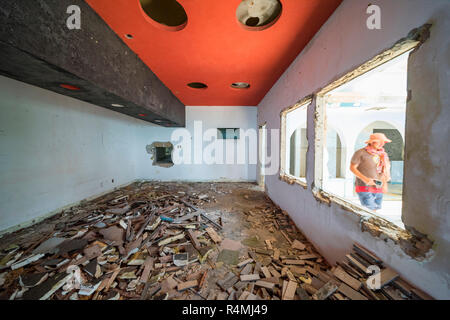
214,48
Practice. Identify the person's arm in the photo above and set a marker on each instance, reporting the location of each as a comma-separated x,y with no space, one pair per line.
388,169
387,175
356,172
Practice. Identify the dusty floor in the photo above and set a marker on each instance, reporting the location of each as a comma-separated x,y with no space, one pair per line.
248,218
193,241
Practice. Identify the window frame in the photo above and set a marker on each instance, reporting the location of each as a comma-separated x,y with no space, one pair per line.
404,45
306,102
221,136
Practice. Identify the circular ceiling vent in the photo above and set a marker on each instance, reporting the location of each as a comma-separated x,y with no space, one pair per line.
258,14
240,85
197,85
168,14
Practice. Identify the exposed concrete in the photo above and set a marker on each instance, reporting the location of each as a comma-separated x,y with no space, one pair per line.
341,45
38,48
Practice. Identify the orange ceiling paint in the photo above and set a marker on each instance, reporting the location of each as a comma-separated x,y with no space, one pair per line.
214,48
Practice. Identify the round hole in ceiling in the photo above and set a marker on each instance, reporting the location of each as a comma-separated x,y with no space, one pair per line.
168,14
257,15
240,85
129,36
252,21
197,85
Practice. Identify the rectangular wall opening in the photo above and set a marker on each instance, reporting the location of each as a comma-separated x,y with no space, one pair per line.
163,155
228,133
294,143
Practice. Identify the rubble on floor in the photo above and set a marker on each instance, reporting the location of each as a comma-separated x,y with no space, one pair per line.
164,241
363,276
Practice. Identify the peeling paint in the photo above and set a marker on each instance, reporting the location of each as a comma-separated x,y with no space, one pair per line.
293,180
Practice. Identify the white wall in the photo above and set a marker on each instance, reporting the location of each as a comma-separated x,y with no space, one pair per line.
56,151
211,117
341,45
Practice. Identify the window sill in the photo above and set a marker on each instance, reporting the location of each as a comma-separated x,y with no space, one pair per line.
293,180
163,164
417,246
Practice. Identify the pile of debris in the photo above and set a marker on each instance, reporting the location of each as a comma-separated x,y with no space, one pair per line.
299,277
155,241
137,245
296,271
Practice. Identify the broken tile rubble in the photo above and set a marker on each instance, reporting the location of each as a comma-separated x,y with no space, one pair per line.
165,241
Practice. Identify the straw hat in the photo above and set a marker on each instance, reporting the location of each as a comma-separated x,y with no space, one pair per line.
378,137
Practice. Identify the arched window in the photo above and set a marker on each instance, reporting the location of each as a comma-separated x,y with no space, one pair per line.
294,143
299,147
336,155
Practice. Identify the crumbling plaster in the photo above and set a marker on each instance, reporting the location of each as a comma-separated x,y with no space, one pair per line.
151,149
341,45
